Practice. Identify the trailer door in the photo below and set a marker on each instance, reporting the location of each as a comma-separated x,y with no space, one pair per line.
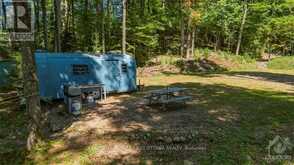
112,75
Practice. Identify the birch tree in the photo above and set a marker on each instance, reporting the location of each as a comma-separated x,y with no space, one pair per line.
242,28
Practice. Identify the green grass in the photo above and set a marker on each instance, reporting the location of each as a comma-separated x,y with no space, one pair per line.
284,63
244,61
262,107
240,111
233,62
13,134
241,59
164,60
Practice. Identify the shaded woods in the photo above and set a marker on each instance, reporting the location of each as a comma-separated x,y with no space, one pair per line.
155,27
172,28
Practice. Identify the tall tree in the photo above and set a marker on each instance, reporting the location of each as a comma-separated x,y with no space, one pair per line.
193,19
189,37
193,40
124,21
182,26
161,26
109,23
3,12
72,16
37,22
31,91
57,34
44,22
102,26
242,28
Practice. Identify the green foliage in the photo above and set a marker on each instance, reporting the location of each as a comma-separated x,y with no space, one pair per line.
154,27
167,60
284,63
270,27
206,60
240,59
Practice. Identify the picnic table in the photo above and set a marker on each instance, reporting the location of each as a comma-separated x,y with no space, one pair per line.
168,95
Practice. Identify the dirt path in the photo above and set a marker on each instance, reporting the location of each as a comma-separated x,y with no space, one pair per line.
262,64
124,127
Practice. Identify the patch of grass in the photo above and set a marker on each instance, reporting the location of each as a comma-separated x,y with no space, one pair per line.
240,59
225,60
43,155
243,62
13,133
240,112
168,60
164,60
284,63
253,112
88,153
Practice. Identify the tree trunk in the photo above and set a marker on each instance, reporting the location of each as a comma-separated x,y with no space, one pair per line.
216,42
37,22
67,15
182,38
86,7
242,28
108,38
103,27
188,45
44,20
72,17
142,7
4,15
229,42
263,48
31,93
124,26
182,32
193,41
189,38
57,38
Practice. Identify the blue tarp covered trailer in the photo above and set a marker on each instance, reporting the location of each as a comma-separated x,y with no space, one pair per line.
116,71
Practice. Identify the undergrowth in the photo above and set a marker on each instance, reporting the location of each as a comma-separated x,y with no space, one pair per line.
224,59
283,63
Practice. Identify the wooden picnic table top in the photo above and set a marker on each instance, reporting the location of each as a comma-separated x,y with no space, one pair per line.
167,90
155,96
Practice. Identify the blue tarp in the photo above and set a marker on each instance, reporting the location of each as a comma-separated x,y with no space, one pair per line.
116,71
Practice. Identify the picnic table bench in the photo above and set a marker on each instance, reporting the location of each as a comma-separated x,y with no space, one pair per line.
167,95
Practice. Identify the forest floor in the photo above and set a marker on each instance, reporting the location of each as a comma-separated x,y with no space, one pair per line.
231,120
